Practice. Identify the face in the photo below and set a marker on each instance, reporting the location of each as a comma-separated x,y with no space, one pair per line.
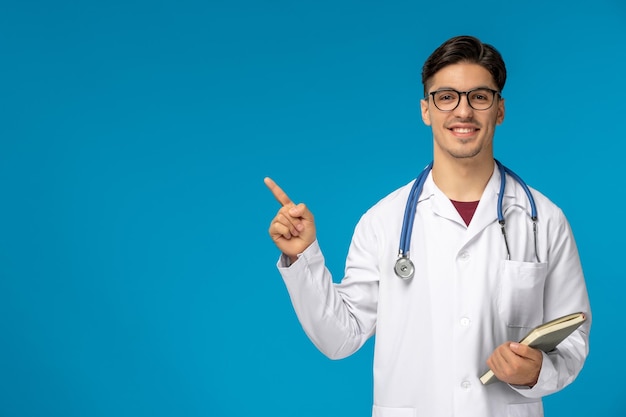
464,132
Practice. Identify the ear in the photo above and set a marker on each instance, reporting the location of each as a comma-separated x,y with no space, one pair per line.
500,114
425,112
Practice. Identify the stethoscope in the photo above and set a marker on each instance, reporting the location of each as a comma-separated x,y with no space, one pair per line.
404,267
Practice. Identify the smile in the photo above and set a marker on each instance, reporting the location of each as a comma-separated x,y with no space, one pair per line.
463,130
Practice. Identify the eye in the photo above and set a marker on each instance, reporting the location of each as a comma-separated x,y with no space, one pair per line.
446,96
481,96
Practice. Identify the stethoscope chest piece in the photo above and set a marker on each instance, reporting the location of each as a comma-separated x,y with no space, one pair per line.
404,268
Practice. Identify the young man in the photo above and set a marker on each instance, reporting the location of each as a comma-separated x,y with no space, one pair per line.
479,282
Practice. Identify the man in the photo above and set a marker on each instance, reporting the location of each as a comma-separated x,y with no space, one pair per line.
474,291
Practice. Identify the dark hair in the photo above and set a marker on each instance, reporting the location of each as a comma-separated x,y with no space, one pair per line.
465,49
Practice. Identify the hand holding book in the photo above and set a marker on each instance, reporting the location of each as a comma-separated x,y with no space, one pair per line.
546,337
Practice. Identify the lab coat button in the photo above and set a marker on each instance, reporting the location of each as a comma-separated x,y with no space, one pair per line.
464,256
465,385
465,321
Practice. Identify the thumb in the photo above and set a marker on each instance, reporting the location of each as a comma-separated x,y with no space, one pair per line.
301,211
522,350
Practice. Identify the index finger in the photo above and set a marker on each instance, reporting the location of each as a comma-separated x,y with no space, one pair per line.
278,192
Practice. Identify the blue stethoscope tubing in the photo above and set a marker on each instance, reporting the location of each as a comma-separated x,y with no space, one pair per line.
404,267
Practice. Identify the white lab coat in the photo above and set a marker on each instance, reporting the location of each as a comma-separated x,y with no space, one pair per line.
435,332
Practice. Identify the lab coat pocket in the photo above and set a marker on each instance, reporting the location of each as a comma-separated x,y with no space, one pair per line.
520,302
533,409
392,412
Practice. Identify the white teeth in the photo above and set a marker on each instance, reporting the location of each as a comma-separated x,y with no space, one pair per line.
463,130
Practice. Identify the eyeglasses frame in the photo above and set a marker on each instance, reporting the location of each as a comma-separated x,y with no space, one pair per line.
466,93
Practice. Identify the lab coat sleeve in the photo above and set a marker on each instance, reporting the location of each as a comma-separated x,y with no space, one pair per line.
565,293
337,317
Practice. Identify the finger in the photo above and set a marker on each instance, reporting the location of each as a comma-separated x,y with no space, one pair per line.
495,361
510,359
278,230
293,225
526,351
498,358
278,192
301,212
519,350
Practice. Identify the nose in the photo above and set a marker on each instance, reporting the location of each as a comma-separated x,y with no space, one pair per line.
464,109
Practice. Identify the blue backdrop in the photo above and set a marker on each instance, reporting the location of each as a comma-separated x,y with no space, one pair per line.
136,274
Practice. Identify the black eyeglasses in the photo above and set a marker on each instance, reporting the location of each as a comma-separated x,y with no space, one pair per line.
478,98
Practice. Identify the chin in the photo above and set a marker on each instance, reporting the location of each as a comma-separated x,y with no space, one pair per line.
464,153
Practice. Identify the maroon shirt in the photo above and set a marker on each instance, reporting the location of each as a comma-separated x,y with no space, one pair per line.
466,209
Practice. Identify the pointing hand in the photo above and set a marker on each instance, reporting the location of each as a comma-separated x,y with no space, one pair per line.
293,227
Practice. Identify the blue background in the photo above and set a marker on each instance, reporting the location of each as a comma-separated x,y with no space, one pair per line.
136,274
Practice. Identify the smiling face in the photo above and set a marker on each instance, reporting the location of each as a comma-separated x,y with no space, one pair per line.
463,133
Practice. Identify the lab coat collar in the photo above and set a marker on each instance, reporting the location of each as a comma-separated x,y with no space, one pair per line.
486,212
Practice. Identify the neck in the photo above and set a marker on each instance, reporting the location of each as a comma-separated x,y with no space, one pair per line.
462,179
